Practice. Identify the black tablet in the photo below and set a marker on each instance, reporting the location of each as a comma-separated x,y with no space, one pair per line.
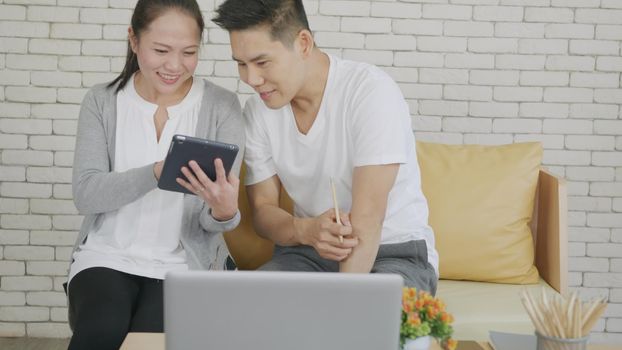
183,149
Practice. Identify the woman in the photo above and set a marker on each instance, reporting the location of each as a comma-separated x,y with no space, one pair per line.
133,233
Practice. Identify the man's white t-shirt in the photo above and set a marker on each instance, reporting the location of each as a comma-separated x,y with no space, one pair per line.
363,120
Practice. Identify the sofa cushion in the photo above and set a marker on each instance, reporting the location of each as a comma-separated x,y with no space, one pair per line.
481,202
246,247
480,307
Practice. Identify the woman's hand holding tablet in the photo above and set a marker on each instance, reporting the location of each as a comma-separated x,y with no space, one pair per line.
203,168
221,195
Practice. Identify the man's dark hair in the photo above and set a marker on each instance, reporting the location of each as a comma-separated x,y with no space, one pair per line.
285,18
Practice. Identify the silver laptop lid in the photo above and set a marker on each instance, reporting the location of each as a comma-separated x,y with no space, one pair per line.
218,310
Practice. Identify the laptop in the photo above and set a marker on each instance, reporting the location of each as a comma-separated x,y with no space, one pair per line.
239,310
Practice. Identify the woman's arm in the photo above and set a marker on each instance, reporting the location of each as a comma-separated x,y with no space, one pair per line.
96,188
230,130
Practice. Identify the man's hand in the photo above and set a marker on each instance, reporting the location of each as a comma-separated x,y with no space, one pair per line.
323,232
220,195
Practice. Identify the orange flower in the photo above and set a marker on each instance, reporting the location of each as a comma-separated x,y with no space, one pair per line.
423,314
407,307
414,319
432,312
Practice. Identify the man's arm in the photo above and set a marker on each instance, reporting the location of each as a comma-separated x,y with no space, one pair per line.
370,191
270,221
279,226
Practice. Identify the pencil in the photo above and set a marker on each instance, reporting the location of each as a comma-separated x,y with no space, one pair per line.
332,187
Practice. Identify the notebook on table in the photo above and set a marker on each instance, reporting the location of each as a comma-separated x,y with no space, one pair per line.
281,310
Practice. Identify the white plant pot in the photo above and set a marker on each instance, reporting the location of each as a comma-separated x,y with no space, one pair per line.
421,343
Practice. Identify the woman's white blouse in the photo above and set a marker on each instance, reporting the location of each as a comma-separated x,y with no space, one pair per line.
143,237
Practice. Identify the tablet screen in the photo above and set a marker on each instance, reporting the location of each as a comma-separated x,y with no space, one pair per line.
183,149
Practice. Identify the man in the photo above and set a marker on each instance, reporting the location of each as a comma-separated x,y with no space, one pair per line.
318,117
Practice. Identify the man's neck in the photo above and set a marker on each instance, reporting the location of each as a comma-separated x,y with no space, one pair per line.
306,103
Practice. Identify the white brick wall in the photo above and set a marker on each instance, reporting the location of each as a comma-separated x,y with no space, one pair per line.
472,71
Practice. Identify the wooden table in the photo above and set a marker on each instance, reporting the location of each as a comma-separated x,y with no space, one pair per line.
143,341
155,341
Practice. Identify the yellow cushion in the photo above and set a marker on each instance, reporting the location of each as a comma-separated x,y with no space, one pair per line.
481,201
248,249
480,307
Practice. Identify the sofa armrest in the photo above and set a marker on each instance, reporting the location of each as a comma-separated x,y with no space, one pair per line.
549,227
246,247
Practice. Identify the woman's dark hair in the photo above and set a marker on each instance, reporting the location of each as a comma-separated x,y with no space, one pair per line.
145,12
286,18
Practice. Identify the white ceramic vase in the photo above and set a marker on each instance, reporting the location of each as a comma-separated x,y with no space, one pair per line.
421,343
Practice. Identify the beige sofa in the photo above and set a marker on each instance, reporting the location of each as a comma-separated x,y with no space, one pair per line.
478,307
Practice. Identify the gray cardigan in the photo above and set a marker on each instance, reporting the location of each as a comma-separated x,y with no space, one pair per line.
98,189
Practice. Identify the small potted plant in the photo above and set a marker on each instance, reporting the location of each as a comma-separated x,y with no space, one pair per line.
424,317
